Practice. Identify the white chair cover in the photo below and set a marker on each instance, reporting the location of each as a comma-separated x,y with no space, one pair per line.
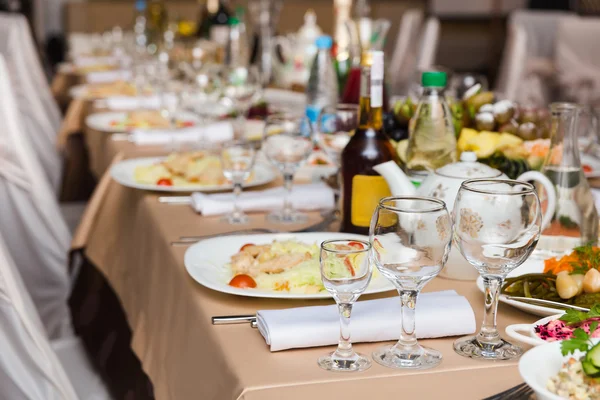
30,219
428,44
578,59
403,63
29,369
513,63
28,87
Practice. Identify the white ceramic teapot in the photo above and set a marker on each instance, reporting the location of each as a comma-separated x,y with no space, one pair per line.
444,184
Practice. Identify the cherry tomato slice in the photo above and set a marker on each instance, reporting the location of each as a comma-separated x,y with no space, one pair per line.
243,282
187,124
356,245
246,245
587,168
348,265
164,182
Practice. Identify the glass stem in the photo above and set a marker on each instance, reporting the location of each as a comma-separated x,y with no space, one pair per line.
344,349
237,191
288,180
240,124
408,338
488,333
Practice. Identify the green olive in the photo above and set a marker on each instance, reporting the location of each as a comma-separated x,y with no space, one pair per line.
527,131
485,121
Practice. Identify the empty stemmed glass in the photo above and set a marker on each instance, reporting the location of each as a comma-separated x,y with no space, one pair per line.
346,271
241,86
411,240
287,145
237,161
497,225
334,128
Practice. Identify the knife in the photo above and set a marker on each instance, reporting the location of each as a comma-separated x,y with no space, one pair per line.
542,302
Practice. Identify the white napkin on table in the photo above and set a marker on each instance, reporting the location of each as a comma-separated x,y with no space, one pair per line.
108,76
214,133
86,61
438,314
126,103
309,197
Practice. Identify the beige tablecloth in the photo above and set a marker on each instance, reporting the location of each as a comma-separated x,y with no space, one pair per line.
126,233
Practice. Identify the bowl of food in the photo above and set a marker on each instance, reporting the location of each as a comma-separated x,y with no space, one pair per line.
556,327
564,370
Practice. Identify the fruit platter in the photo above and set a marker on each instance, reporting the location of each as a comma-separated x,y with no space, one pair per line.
508,137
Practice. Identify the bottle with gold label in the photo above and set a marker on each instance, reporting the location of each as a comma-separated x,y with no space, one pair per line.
369,146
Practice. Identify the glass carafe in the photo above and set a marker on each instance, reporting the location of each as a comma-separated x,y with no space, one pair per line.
575,219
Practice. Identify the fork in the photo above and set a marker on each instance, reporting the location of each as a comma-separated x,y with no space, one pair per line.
519,392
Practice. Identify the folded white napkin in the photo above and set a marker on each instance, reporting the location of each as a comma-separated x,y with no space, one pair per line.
86,61
214,133
108,76
438,314
314,196
126,103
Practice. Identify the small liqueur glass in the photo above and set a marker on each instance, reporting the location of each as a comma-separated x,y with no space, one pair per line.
497,224
411,239
237,161
346,270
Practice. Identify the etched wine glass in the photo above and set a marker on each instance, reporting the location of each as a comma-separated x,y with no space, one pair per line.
411,241
287,145
346,270
497,224
237,161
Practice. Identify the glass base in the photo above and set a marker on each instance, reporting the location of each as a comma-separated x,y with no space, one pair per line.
235,219
421,358
280,217
471,347
358,362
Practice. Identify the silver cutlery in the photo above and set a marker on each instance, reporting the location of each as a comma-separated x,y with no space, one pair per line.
175,200
328,219
522,391
541,302
233,319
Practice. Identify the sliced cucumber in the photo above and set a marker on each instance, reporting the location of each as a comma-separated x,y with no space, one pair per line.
589,368
593,356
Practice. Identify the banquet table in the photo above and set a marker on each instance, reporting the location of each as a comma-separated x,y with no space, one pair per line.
126,234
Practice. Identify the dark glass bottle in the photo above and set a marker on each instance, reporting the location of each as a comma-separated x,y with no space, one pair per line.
362,187
213,21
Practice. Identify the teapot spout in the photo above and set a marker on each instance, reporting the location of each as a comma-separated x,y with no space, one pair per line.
398,182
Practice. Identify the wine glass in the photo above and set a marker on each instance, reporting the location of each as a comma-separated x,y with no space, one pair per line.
287,145
241,86
497,224
346,271
411,241
237,160
335,126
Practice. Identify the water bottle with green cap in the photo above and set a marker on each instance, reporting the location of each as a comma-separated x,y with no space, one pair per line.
432,142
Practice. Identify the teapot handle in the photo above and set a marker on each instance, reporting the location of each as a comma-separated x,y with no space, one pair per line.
550,191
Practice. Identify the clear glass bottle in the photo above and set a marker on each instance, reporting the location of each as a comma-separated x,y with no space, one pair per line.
575,220
322,89
432,142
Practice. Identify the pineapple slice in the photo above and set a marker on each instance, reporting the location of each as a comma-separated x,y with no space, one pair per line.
466,134
484,144
509,140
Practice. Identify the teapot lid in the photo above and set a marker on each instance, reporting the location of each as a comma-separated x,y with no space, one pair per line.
468,168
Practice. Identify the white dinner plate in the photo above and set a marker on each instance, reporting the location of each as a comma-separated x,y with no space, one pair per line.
531,266
123,172
207,263
102,121
593,163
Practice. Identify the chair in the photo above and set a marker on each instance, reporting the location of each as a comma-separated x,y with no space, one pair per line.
32,367
403,63
577,59
29,368
536,83
38,124
30,219
428,44
513,63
